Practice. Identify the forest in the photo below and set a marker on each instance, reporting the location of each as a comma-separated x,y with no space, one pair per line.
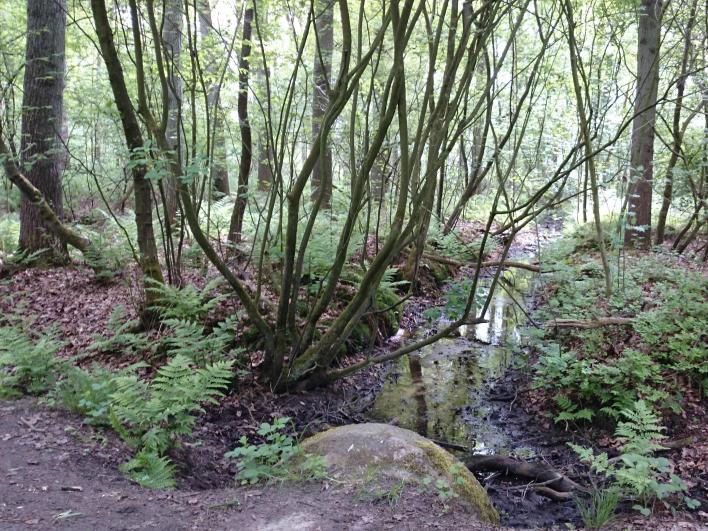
338,264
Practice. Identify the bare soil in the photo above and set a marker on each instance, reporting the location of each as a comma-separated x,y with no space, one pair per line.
57,473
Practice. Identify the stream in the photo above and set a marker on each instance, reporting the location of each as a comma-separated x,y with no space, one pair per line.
440,391
462,390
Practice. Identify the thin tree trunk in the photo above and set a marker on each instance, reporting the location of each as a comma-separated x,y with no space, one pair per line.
245,127
149,262
42,117
172,47
676,131
638,231
322,72
587,141
217,167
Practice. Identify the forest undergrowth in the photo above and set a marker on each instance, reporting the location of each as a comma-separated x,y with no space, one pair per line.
627,374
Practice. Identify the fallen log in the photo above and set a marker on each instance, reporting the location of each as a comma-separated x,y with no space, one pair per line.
489,263
587,324
508,466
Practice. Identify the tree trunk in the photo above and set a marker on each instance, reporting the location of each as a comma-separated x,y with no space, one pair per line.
591,171
245,128
676,131
217,167
172,46
265,174
149,262
42,115
638,231
322,72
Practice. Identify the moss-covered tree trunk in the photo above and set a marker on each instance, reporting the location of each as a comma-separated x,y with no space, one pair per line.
42,117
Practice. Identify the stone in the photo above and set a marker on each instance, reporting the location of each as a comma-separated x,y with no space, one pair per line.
361,453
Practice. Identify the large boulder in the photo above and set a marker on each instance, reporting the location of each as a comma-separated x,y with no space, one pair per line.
358,452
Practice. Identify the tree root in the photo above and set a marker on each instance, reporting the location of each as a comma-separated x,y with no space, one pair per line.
552,483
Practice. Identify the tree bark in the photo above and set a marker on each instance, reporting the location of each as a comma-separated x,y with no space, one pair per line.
172,47
322,72
591,171
149,262
676,130
217,167
42,116
638,232
245,128
33,195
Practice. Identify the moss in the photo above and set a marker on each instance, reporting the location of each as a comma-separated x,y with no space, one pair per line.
440,272
469,489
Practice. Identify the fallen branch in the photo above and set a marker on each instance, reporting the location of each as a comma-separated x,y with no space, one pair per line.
490,263
552,494
550,478
587,324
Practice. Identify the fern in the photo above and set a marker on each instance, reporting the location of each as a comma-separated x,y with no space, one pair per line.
186,303
637,472
28,366
189,339
640,429
151,416
150,470
123,338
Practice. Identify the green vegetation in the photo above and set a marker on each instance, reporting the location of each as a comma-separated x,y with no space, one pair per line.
278,457
28,365
150,416
604,371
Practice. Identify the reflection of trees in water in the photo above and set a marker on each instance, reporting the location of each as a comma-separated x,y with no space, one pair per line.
421,406
436,383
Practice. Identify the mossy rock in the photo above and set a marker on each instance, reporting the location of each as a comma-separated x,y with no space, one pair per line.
395,454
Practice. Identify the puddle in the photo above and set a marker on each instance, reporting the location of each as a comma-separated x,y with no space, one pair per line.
441,391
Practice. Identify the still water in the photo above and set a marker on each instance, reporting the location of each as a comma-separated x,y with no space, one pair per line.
436,391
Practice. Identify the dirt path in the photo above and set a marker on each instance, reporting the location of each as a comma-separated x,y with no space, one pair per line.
54,473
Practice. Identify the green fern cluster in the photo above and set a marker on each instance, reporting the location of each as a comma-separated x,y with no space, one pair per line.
123,337
28,365
150,416
180,336
188,303
638,473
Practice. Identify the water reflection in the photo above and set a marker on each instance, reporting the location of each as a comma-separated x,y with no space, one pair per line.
435,391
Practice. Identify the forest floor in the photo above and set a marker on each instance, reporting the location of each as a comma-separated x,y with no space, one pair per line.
55,471
58,473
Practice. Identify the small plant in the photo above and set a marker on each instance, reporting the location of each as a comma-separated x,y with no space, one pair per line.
280,457
90,392
444,489
28,366
186,303
640,475
600,508
123,337
376,494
